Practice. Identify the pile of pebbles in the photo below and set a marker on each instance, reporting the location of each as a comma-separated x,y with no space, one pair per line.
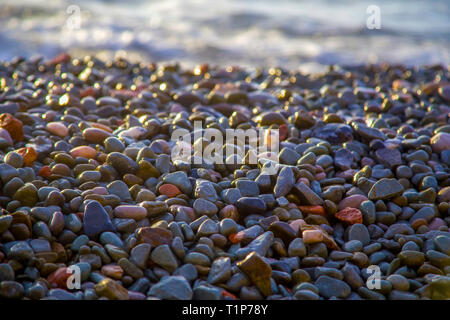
87,183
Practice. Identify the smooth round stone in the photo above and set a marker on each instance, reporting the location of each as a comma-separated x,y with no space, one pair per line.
36,292
353,246
307,286
204,207
89,175
21,251
228,226
7,172
288,156
410,245
188,271
27,195
297,248
79,242
120,189
172,288
205,189
283,231
40,229
197,258
6,272
442,243
251,205
122,163
300,276
5,222
231,196
306,295
83,151
203,292
359,232
353,201
324,161
384,189
139,255
247,188
130,212
179,179
11,290
388,157
95,135
10,188
368,212
386,217
58,129
331,272
398,282
440,142
377,257
111,238
412,258
403,172
343,159
285,182
269,118
164,257
112,144
96,219
13,159
207,228
444,194
402,295
60,294
45,191
331,287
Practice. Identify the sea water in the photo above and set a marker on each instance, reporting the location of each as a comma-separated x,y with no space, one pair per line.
287,33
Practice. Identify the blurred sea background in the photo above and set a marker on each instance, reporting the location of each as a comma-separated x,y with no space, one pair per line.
289,33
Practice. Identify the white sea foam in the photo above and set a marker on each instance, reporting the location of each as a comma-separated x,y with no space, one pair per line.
290,33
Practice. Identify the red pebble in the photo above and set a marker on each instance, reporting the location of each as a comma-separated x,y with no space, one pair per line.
350,215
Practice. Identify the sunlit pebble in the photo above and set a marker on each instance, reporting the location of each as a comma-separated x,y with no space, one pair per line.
83,151
49,115
134,132
57,128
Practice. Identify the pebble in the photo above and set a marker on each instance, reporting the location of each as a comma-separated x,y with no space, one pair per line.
172,288
220,271
96,220
130,212
331,287
251,205
258,271
58,129
285,182
384,189
350,215
204,207
163,256
111,289
11,290
359,232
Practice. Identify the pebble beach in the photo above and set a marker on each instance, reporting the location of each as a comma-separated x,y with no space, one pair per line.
362,183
